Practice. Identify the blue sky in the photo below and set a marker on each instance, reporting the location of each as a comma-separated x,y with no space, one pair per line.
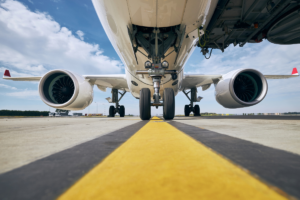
38,36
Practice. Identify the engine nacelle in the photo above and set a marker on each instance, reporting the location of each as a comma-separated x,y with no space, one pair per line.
63,89
241,88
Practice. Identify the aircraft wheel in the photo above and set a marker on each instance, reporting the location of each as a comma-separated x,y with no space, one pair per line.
112,111
169,104
187,110
197,110
145,104
122,111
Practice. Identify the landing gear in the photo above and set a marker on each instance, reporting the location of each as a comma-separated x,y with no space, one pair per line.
155,46
168,95
169,104
197,110
118,109
145,104
191,108
122,111
111,111
187,110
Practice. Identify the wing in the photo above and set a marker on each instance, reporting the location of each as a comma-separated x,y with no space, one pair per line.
279,76
204,81
7,76
33,78
116,81
294,74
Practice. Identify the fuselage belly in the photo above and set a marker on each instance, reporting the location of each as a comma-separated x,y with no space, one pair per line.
118,16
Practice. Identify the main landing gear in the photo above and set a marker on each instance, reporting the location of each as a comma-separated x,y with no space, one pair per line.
118,109
190,108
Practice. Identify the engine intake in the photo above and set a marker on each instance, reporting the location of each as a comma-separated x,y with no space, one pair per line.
65,90
59,88
241,88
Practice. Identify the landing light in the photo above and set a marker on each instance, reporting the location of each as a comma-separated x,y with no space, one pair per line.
148,64
165,64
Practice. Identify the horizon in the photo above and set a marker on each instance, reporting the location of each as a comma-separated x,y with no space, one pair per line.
80,44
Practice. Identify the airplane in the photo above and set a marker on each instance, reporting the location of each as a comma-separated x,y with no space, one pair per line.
155,38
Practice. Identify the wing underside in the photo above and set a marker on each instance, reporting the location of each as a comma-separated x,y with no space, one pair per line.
33,78
205,81
115,81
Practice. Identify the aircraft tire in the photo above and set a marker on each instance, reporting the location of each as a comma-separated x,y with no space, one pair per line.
112,111
197,110
145,104
122,111
169,104
187,110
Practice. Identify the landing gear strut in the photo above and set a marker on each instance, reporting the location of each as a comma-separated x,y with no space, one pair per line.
156,42
118,109
191,108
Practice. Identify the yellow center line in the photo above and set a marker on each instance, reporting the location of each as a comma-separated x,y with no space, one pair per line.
161,162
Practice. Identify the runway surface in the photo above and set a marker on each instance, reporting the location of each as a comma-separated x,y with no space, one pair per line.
125,158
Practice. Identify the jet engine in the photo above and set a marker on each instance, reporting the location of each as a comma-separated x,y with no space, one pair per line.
65,90
241,88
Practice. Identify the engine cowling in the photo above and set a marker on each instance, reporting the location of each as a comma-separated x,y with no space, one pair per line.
63,89
241,88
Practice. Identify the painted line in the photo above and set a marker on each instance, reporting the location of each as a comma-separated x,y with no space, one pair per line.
49,177
276,167
161,162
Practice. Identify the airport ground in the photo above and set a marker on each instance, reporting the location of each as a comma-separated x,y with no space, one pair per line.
250,157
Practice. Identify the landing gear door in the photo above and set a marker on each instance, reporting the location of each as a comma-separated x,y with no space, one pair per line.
194,94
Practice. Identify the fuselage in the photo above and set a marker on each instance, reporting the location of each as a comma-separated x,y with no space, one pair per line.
118,16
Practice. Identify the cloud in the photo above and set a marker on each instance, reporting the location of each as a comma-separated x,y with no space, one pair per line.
7,87
266,57
80,34
33,43
25,94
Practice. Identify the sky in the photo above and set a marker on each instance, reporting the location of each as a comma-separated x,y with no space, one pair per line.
38,36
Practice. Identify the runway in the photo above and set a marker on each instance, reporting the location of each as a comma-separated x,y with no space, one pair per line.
125,158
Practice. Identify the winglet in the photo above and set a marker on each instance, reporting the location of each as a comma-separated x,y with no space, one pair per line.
6,73
295,71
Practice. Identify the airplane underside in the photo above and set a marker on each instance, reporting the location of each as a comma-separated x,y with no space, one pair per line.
159,47
233,22
154,40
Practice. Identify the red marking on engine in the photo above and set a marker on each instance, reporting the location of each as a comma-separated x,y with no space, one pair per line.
295,71
6,73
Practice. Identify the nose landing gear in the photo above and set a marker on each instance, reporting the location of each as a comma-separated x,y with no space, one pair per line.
145,104
169,104
191,108
168,101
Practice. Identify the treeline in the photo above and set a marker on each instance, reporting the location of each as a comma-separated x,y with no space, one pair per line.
23,113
